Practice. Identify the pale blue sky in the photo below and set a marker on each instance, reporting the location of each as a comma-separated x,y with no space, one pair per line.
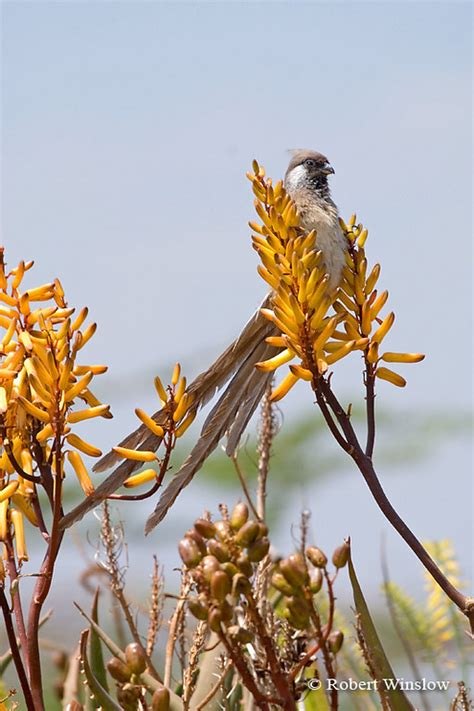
127,131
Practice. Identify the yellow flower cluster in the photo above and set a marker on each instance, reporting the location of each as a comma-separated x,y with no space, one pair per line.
304,310
40,382
176,415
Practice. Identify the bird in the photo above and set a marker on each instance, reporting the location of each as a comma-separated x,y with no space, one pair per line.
306,182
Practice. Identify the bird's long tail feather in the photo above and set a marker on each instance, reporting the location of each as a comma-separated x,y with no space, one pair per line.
231,414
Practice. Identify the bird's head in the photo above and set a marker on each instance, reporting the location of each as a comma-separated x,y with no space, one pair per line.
308,169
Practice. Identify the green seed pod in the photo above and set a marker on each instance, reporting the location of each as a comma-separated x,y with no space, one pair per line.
230,569
119,670
316,557
258,550
209,566
215,620
294,570
198,608
240,634
206,529
240,585
160,700
189,552
135,657
341,555
335,641
315,581
244,565
262,530
299,611
219,550
220,585
198,539
247,534
222,530
281,584
239,516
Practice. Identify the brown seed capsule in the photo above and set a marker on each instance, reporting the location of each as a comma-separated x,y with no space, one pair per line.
220,585
240,634
262,530
119,670
198,539
247,534
215,620
205,528
222,530
315,581
258,550
316,557
335,641
209,565
160,700
297,612
281,584
189,552
294,570
341,555
198,608
128,698
239,516
135,657
227,611
244,565
219,550
240,585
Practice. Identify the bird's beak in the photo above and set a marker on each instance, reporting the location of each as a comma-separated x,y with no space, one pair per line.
329,170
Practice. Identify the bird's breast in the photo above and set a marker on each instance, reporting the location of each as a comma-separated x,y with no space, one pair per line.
329,239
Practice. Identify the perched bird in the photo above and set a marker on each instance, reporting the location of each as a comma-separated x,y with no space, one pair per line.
306,181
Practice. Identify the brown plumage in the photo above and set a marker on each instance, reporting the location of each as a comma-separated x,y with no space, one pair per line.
306,182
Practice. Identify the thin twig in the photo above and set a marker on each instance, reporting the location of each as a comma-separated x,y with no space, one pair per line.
174,623
15,650
267,431
203,704
243,484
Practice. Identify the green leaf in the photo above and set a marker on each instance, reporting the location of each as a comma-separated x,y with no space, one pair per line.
379,662
101,696
97,657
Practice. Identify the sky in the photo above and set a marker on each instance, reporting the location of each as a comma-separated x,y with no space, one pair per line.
127,129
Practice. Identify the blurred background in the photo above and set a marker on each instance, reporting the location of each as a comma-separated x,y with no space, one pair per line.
127,129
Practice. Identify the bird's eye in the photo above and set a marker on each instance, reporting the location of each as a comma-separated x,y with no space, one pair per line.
310,163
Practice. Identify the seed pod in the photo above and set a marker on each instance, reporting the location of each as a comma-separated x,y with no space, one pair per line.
297,612
244,565
128,698
219,550
189,552
215,620
206,529
209,566
341,555
316,557
198,608
227,611
258,550
230,569
220,585
262,530
239,516
222,530
119,670
135,657
247,534
335,641
198,540
281,584
315,581
160,700
240,585
240,634
294,570
74,706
